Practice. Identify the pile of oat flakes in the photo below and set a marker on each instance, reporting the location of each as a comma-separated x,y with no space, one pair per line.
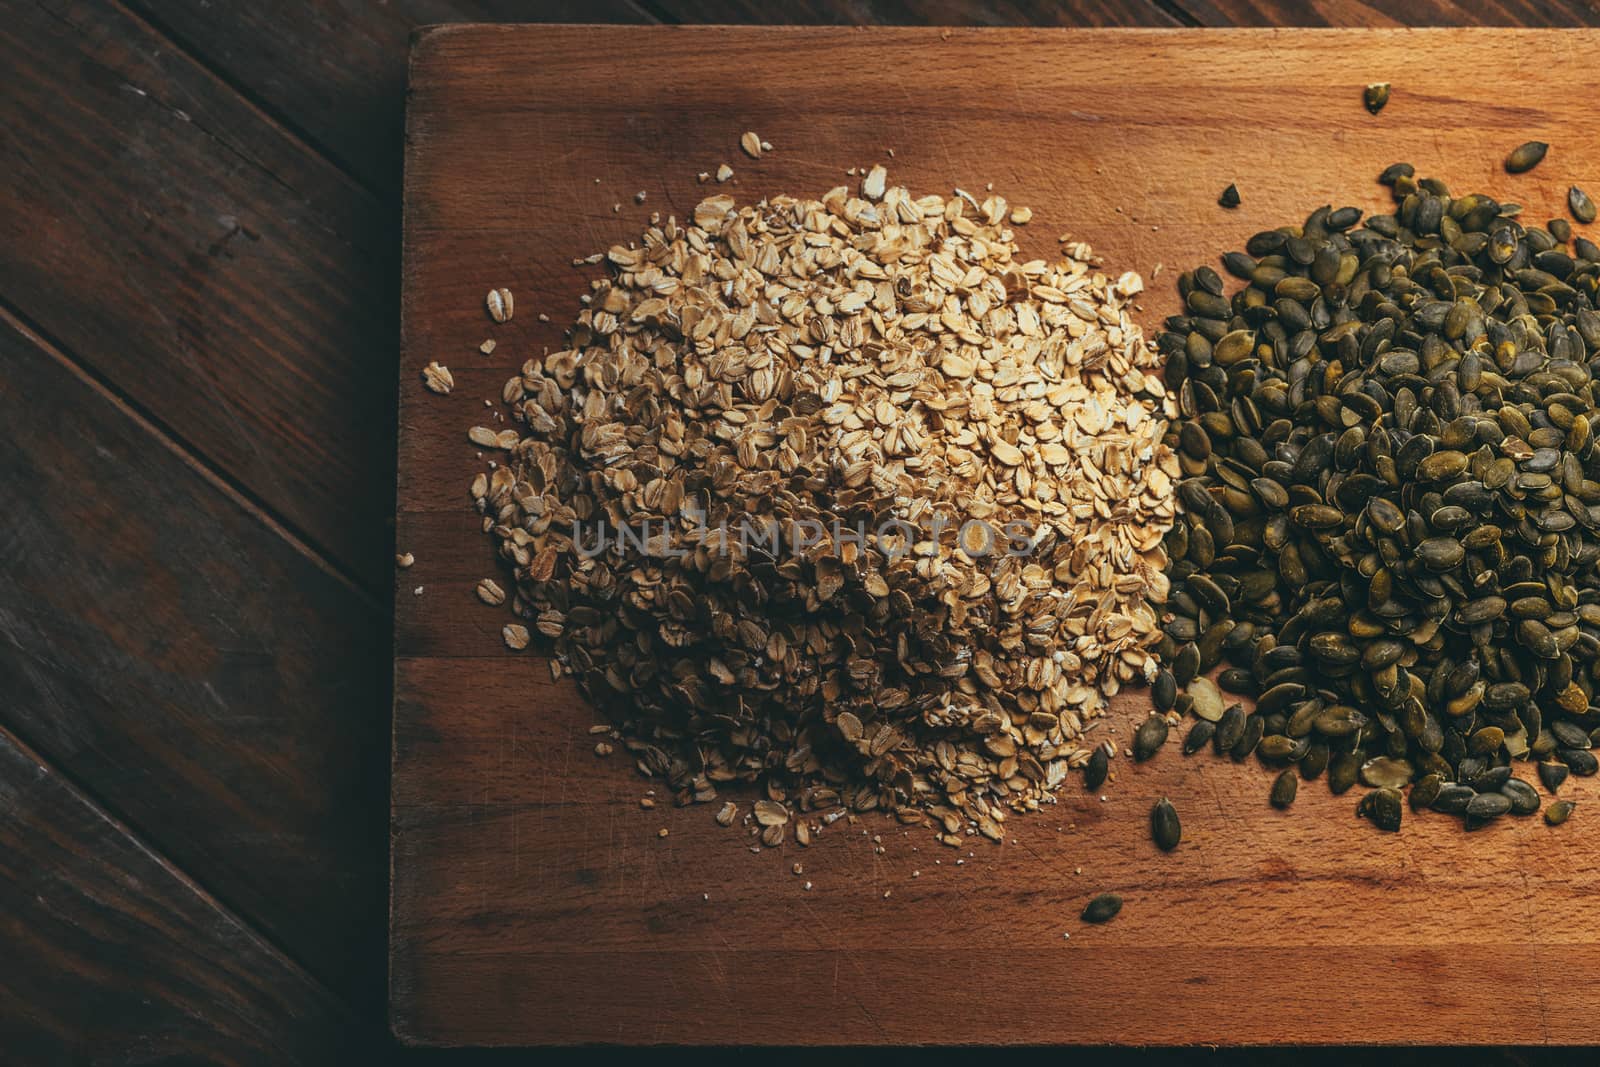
842,497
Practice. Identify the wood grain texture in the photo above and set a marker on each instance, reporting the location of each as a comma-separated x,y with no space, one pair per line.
207,682
335,70
209,267
1383,13
113,956
533,900
1079,13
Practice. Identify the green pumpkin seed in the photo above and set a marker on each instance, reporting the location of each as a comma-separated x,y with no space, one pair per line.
1558,812
1284,788
1582,207
1103,908
1526,156
1524,798
1096,770
1488,805
1553,775
1383,808
1149,738
1165,829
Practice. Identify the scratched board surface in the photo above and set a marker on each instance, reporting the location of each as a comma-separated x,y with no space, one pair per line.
534,900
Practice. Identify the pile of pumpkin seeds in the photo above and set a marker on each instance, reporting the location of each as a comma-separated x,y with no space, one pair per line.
844,497
1391,506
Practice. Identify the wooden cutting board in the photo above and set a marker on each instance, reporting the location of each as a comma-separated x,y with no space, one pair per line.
533,900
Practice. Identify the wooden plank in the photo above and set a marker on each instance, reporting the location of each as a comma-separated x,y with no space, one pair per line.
533,901
1080,13
210,684
336,71
113,956
209,267
1379,13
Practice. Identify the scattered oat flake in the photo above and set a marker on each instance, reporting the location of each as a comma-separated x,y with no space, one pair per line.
515,635
404,560
437,377
751,145
602,748
1021,216
638,198
490,592
488,346
663,832
647,803
417,591
724,172
872,186
500,304
703,177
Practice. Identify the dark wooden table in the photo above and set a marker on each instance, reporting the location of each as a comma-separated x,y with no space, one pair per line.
199,220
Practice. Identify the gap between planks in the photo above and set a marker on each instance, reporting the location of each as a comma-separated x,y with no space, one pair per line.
151,424
136,840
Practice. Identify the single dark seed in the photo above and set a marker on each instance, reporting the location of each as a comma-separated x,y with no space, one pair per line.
1230,197
1524,798
1425,792
1343,772
1490,780
1558,812
1202,730
1164,690
1095,771
1453,799
1394,172
1488,805
1526,156
1582,761
1103,908
1254,728
1582,207
1149,738
1375,96
1383,808
1569,735
1187,664
1284,788
1230,728
1553,774
1165,829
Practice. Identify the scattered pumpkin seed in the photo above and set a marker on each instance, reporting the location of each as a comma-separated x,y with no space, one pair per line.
1103,908
1526,156
1165,829
1284,788
1582,207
